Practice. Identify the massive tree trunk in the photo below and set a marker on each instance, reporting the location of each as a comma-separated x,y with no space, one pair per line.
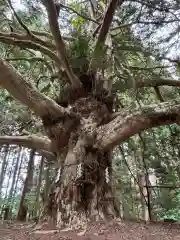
82,190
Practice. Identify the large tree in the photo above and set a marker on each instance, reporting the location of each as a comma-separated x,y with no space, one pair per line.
84,124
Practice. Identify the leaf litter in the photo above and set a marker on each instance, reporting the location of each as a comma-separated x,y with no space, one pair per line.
114,230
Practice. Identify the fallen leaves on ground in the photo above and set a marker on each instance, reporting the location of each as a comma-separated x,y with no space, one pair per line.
95,231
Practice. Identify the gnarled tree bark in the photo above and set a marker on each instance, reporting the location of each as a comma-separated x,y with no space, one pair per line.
82,190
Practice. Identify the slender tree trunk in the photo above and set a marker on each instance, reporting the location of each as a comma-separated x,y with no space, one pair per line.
147,182
3,166
140,188
148,196
9,191
23,208
144,200
43,217
37,210
9,174
17,178
10,200
47,184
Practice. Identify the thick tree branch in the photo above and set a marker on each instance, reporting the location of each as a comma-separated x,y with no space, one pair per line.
47,35
42,145
33,141
28,95
31,45
48,155
156,82
60,46
103,32
43,34
130,122
108,17
32,59
34,39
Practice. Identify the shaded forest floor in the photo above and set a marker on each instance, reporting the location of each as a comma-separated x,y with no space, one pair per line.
99,231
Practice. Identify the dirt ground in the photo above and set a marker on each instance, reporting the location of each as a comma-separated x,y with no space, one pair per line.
99,231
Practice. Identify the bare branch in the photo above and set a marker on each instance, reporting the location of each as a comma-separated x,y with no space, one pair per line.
147,68
28,95
32,141
79,14
43,34
108,17
172,60
162,186
31,45
130,122
30,34
93,5
18,18
32,59
32,38
42,145
155,82
143,23
153,5
158,94
47,35
48,155
52,16
158,82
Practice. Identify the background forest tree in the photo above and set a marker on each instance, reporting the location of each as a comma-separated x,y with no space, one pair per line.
80,82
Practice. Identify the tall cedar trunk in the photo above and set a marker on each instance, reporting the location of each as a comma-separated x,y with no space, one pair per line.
17,178
46,189
10,172
7,214
23,208
37,210
12,189
147,182
82,190
3,166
